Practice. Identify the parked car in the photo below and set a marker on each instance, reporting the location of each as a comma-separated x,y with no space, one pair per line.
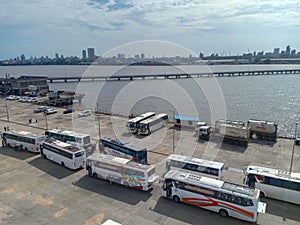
66,111
12,97
85,113
50,111
40,109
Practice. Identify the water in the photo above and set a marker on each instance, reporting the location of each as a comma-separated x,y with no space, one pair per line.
275,98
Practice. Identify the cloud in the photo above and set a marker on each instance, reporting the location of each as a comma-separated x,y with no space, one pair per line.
121,21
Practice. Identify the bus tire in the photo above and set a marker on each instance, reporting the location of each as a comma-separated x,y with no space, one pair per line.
176,198
45,156
63,164
262,194
223,212
8,145
95,175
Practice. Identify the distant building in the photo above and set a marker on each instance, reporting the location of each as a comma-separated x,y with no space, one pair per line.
276,52
56,56
83,54
23,84
293,52
137,56
121,56
91,53
288,50
142,56
23,58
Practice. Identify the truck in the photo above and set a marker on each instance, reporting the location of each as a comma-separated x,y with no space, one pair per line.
263,130
236,134
199,125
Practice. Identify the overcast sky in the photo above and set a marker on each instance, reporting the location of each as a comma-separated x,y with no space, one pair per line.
46,27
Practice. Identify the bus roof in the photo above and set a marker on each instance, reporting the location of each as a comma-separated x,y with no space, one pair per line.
275,173
195,179
123,143
118,160
23,133
158,116
187,118
69,133
202,162
62,144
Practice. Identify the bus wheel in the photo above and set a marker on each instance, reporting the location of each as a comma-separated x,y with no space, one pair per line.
223,212
8,145
45,157
63,164
262,195
176,199
95,175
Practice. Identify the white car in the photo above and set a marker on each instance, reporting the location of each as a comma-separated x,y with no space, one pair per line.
85,113
12,97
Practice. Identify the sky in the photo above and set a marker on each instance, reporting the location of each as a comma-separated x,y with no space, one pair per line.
45,27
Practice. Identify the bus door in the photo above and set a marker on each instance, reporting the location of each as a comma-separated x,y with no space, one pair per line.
167,188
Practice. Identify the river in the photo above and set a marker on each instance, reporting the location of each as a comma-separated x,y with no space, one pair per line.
268,97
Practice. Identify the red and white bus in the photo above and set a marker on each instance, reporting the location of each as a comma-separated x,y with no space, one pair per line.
227,199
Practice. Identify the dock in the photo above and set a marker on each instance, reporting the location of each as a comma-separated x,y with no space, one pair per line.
128,77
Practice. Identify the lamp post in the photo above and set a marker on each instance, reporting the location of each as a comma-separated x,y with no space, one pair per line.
6,92
98,120
46,121
173,114
292,159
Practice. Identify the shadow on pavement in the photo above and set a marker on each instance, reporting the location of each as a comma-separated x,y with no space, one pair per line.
191,214
51,168
285,210
115,191
22,155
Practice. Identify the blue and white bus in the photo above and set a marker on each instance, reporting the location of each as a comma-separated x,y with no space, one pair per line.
123,149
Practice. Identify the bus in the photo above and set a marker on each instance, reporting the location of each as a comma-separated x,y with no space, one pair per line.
121,171
124,149
133,124
152,124
71,137
205,167
227,199
22,140
63,153
273,183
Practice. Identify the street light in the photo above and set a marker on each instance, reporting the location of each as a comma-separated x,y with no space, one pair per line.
98,120
46,121
173,114
292,159
6,92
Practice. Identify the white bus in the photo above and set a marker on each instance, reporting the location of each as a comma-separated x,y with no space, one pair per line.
205,167
121,171
63,153
152,124
273,183
22,140
68,136
133,124
225,198
124,149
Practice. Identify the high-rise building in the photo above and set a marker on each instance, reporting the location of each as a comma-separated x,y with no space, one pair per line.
23,57
288,50
56,56
83,54
142,56
276,52
293,52
91,53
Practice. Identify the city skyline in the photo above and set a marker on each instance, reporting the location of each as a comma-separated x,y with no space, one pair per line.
232,28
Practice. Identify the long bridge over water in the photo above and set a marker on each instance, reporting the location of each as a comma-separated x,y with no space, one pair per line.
171,75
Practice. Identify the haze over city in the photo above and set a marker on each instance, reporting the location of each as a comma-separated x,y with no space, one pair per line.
45,27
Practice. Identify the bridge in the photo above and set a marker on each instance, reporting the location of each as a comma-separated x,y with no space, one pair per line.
171,76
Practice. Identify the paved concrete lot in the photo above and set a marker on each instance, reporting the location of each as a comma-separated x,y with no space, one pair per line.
37,191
